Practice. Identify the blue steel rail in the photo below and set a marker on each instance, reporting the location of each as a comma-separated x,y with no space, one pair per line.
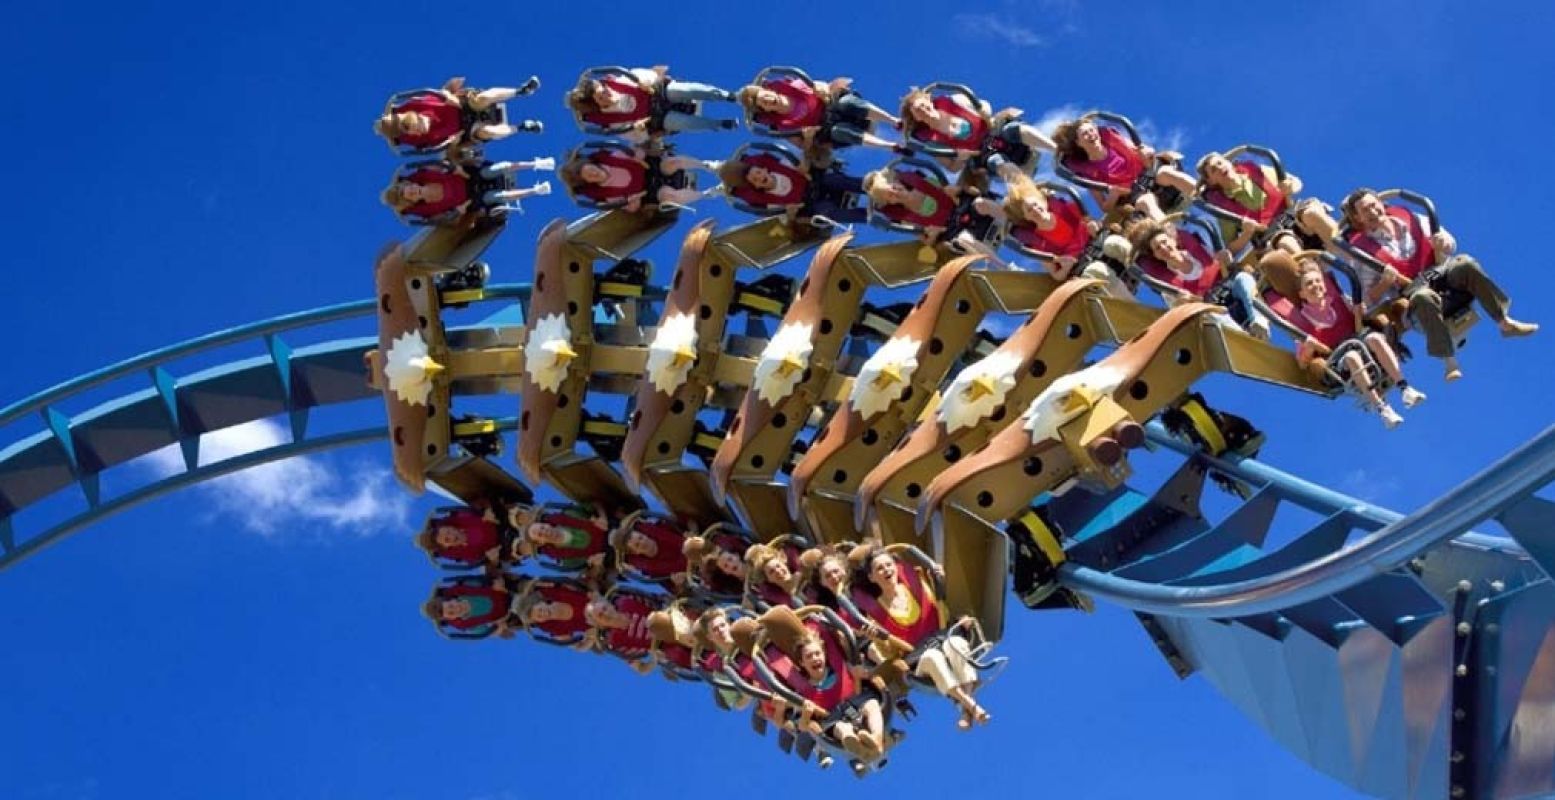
1292,635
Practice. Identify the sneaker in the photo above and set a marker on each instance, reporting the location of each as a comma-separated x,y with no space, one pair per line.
543,163
1259,329
1412,396
543,188
1511,328
712,165
733,97
727,124
1390,418
531,126
529,86
1453,371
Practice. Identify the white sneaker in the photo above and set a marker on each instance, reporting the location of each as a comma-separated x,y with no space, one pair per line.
1412,396
1259,329
543,163
1390,418
543,188
712,165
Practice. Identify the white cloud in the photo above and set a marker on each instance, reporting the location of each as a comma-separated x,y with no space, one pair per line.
1162,139
998,28
299,492
1053,117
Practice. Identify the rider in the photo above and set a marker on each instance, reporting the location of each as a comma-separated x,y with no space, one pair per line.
616,100
572,538
633,180
436,189
1329,320
1401,242
1169,249
771,574
438,119
652,547
473,608
1103,155
955,121
1255,193
903,614
463,536
830,114
766,182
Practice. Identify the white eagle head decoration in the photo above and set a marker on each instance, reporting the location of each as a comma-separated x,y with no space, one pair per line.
409,369
885,376
1068,397
673,352
977,390
783,362
548,352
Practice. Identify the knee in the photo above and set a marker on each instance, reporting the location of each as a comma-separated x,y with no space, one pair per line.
1423,300
1375,341
1352,362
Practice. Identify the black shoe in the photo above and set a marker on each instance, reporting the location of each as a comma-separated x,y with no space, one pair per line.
732,97
531,126
727,124
529,86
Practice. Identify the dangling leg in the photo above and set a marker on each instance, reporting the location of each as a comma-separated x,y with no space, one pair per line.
1032,136
1176,179
495,198
681,197
1378,345
1244,286
489,97
1363,385
1148,205
679,121
1425,308
685,91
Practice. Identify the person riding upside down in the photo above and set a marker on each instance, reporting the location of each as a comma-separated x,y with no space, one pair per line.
963,129
1177,258
1055,227
1327,318
841,697
570,538
619,624
1418,266
641,102
1136,177
772,576
939,212
555,611
472,607
438,119
464,537
631,179
825,576
650,548
763,181
1259,197
902,612
716,562
442,192
832,114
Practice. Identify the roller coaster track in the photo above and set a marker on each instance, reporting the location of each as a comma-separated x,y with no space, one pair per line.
1418,660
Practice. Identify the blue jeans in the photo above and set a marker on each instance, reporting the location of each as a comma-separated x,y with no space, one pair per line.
1244,287
686,91
677,121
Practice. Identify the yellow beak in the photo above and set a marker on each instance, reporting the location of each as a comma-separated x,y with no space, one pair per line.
889,374
980,387
1076,401
790,364
565,353
429,367
683,356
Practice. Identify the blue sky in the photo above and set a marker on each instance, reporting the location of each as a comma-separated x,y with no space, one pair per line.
183,169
